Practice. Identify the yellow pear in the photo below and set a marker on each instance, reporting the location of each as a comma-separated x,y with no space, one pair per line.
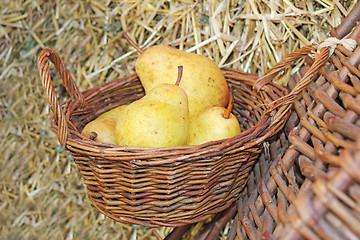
214,123
202,79
102,129
159,119
113,113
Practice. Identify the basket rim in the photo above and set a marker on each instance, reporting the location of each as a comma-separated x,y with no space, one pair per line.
246,139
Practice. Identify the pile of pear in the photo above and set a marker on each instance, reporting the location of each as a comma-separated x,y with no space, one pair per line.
184,104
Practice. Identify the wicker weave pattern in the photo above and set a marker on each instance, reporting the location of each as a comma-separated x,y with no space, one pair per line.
311,190
178,185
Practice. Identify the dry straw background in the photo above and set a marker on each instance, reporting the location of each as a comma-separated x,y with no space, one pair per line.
42,195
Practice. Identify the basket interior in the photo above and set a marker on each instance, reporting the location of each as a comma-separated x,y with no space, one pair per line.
168,186
248,108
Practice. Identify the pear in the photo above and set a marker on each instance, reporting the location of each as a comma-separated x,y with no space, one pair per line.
214,123
158,119
202,80
102,129
113,113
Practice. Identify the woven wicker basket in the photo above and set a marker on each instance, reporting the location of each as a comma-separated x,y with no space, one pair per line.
311,189
168,186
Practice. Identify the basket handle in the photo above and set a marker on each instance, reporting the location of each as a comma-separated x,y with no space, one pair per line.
323,50
284,103
289,59
70,86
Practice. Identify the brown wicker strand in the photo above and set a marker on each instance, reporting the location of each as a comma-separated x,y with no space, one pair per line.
172,186
348,23
313,187
71,87
283,64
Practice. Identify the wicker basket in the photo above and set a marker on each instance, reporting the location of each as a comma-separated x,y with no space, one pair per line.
169,186
311,189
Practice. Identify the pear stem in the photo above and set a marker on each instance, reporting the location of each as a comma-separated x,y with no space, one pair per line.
180,71
230,104
93,135
126,36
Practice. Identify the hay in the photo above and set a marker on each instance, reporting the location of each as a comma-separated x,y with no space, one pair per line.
42,192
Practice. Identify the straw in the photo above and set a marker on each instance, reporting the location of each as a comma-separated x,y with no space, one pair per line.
42,192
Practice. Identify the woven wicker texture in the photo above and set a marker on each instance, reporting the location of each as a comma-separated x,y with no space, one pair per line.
163,186
311,189
43,195
169,186
178,185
